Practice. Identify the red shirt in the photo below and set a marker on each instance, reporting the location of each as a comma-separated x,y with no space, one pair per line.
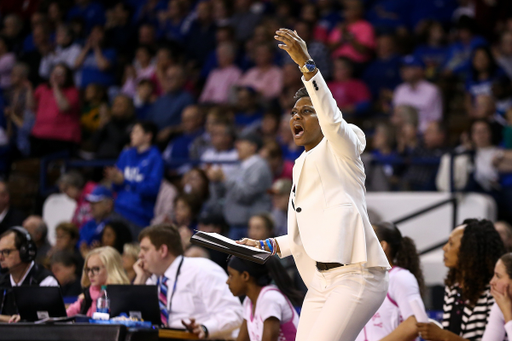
350,92
286,172
83,207
51,123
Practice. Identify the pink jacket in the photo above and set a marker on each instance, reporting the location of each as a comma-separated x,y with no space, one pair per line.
74,308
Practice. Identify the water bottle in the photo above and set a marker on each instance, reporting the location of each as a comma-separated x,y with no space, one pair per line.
103,303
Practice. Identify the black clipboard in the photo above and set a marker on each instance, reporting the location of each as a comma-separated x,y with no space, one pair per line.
220,243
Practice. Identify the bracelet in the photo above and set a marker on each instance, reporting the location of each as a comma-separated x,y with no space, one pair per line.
270,247
262,245
274,245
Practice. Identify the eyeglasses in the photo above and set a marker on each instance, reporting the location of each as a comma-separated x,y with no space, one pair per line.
95,270
6,252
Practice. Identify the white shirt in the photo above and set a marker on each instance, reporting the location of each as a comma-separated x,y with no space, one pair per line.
403,287
496,327
66,55
271,303
49,281
202,293
485,173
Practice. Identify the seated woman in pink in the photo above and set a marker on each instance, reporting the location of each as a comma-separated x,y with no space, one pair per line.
354,38
266,78
351,95
102,266
269,313
57,108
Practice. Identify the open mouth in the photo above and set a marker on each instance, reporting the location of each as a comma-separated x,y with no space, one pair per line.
298,131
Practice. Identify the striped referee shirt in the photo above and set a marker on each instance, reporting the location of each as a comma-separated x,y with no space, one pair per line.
474,319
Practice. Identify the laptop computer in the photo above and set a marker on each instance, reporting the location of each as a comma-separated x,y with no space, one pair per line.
37,303
135,300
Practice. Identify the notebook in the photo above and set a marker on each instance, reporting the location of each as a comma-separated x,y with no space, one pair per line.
220,243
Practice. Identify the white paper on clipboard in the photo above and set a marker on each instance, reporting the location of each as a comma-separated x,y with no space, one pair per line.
418,310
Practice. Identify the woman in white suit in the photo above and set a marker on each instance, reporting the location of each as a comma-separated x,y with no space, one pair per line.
329,234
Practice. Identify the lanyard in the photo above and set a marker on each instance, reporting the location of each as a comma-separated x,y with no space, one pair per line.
174,286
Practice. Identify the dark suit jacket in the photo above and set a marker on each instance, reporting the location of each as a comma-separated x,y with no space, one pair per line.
12,218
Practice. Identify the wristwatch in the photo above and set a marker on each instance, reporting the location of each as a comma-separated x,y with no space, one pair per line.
309,66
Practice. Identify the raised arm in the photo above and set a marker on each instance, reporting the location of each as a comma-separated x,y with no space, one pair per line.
347,140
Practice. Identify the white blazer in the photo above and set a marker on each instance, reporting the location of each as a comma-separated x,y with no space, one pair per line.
327,217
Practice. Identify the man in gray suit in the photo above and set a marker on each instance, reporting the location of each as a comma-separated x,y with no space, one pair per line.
245,190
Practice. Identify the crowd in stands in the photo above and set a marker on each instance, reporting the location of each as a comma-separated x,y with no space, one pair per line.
191,99
75,77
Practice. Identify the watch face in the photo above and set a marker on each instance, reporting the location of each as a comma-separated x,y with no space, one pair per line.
310,65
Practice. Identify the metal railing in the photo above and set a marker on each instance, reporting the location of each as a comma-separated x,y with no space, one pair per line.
450,201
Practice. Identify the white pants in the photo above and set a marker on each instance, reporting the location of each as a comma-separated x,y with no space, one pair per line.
340,302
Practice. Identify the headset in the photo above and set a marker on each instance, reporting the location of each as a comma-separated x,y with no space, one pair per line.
28,249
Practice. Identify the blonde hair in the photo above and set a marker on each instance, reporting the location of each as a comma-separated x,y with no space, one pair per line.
112,262
132,250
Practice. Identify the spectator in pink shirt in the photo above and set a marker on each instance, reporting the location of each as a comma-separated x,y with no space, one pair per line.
221,79
354,38
351,95
74,186
419,93
57,108
265,77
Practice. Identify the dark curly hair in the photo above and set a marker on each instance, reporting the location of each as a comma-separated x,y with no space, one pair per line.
480,249
403,250
122,232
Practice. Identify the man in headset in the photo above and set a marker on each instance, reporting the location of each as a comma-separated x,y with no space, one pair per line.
17,254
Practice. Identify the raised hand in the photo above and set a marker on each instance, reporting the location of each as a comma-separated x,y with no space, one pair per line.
141,274
215,174
114,174
294,45
504,301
